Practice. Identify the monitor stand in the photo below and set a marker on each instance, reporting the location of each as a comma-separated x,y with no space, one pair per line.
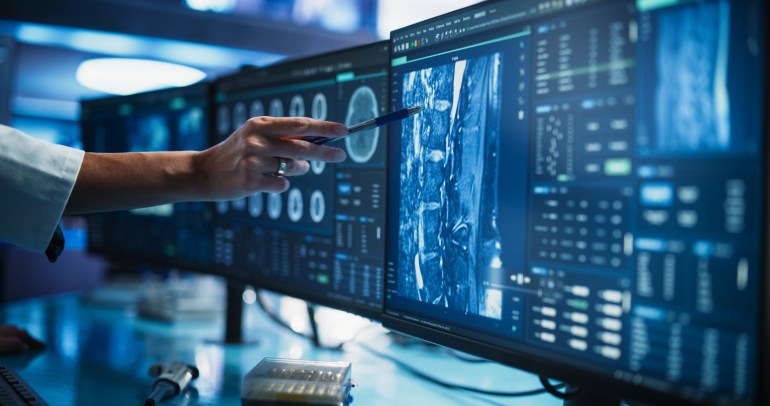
234,315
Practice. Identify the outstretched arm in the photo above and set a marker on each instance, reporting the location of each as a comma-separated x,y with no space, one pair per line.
241,165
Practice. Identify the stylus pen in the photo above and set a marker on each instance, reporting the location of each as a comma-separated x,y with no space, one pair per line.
368,125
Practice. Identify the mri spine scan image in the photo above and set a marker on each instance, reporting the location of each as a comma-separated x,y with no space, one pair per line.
449,178
362,107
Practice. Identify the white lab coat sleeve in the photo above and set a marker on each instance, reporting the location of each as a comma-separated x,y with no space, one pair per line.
36,180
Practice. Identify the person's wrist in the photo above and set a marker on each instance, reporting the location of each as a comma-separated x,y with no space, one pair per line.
200,179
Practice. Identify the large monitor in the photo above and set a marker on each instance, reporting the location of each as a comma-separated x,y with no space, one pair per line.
323,240
583,195
177,235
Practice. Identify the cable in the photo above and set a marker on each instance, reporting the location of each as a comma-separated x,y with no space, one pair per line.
276,319
281,322
419,374
547,386
465,357
554,389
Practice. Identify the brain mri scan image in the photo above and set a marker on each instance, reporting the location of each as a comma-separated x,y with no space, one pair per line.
319,108
294,205
223,120
362,107
449,177
239,115
255,205
274,205
239,204
256,109
297,107
317,206
276,108
317,167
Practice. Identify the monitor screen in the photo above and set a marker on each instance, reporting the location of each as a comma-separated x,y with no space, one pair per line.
175,119
582,194
323,240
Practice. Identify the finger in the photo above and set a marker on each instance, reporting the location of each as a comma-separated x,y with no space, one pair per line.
12,345
29,340
296,126
305,151
273,184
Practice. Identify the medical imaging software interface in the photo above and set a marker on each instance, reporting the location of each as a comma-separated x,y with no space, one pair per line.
584,183
167,120
324,238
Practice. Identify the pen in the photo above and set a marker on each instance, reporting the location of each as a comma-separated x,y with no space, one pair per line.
368,125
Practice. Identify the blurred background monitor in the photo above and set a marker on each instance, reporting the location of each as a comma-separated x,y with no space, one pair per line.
177,119
323,240
583,194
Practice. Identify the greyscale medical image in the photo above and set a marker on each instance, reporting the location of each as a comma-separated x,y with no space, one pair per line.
450,244
692,106
192,131
362,106
148,133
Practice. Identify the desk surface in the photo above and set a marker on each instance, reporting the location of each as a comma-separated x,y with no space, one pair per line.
99,356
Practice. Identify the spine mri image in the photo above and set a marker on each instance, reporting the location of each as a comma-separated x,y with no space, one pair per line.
449,179
692,101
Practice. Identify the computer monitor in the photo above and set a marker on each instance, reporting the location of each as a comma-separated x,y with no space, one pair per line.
583,195
323,240
175,235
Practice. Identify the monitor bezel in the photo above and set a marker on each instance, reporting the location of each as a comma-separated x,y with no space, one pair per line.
601,384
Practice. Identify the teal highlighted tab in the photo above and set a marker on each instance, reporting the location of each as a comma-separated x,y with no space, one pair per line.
323,279
345,76
617,167
398,61
647,5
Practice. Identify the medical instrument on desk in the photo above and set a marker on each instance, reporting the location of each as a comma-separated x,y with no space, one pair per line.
367,125
280,381
171,379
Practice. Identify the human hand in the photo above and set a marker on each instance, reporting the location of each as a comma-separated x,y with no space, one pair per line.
14,340
248,160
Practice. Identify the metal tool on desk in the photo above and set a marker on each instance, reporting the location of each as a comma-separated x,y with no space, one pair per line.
171,379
